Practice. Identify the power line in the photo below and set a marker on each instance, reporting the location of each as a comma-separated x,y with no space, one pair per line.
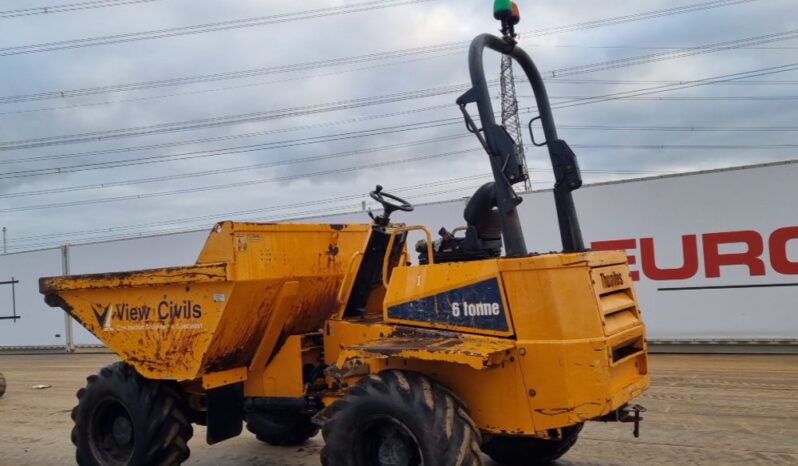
53,9
236,184
651,47
288,216
401,128
689,129
239,213
738,75
213,122
685,85
246,168
285,216
230,137
205,28
215,89
279,69
585,25
690,98
210,153
355,103
445,47
295,78
371,150
687,146
635,82
689,52
359,167
296,142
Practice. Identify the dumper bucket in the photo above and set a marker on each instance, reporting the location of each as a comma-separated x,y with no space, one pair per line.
182,323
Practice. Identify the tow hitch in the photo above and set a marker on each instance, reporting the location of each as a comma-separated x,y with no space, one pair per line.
626,413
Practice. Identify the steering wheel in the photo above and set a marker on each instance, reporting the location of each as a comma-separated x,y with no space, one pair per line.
389,207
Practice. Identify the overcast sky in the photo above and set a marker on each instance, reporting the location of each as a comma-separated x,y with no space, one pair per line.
418,149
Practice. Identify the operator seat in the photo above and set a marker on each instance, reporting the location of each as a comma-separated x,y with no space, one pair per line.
483,233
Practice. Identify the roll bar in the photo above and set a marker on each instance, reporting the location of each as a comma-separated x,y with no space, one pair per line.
506,166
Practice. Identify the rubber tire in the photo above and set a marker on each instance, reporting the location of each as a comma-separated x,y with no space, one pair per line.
160,425
2,385
530,451
280,428
439,421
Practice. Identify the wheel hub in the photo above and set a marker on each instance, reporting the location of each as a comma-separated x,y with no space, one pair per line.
111,433
393,452
392,444
122,430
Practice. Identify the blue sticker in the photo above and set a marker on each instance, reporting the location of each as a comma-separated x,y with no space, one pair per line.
475,306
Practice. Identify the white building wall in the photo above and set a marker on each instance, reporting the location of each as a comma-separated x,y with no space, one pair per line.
39,324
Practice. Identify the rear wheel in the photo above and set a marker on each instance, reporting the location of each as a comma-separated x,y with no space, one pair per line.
2,385
530,451
124,419
399,418
279,427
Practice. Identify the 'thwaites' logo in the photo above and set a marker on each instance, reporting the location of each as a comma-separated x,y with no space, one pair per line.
611,280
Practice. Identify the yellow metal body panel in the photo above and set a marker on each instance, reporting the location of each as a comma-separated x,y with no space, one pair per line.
184,322
575,349
412,283
494,391
283,376
282,307
220,379
566,309
164,330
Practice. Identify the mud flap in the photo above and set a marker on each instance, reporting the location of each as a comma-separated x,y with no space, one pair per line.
225,412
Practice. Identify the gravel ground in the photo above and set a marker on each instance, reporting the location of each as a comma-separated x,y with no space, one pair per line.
702,410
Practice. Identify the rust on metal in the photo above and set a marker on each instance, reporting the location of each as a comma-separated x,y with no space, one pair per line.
180,323
205,272
478,352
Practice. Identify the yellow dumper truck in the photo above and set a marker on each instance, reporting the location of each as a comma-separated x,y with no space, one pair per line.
292,328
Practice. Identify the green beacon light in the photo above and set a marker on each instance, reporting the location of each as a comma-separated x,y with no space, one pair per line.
502,9
508,13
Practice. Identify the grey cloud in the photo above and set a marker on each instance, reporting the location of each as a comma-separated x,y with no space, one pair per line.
424,24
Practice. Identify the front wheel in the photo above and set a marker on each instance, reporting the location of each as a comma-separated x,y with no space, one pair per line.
2,385
124,419
399,418
530,451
